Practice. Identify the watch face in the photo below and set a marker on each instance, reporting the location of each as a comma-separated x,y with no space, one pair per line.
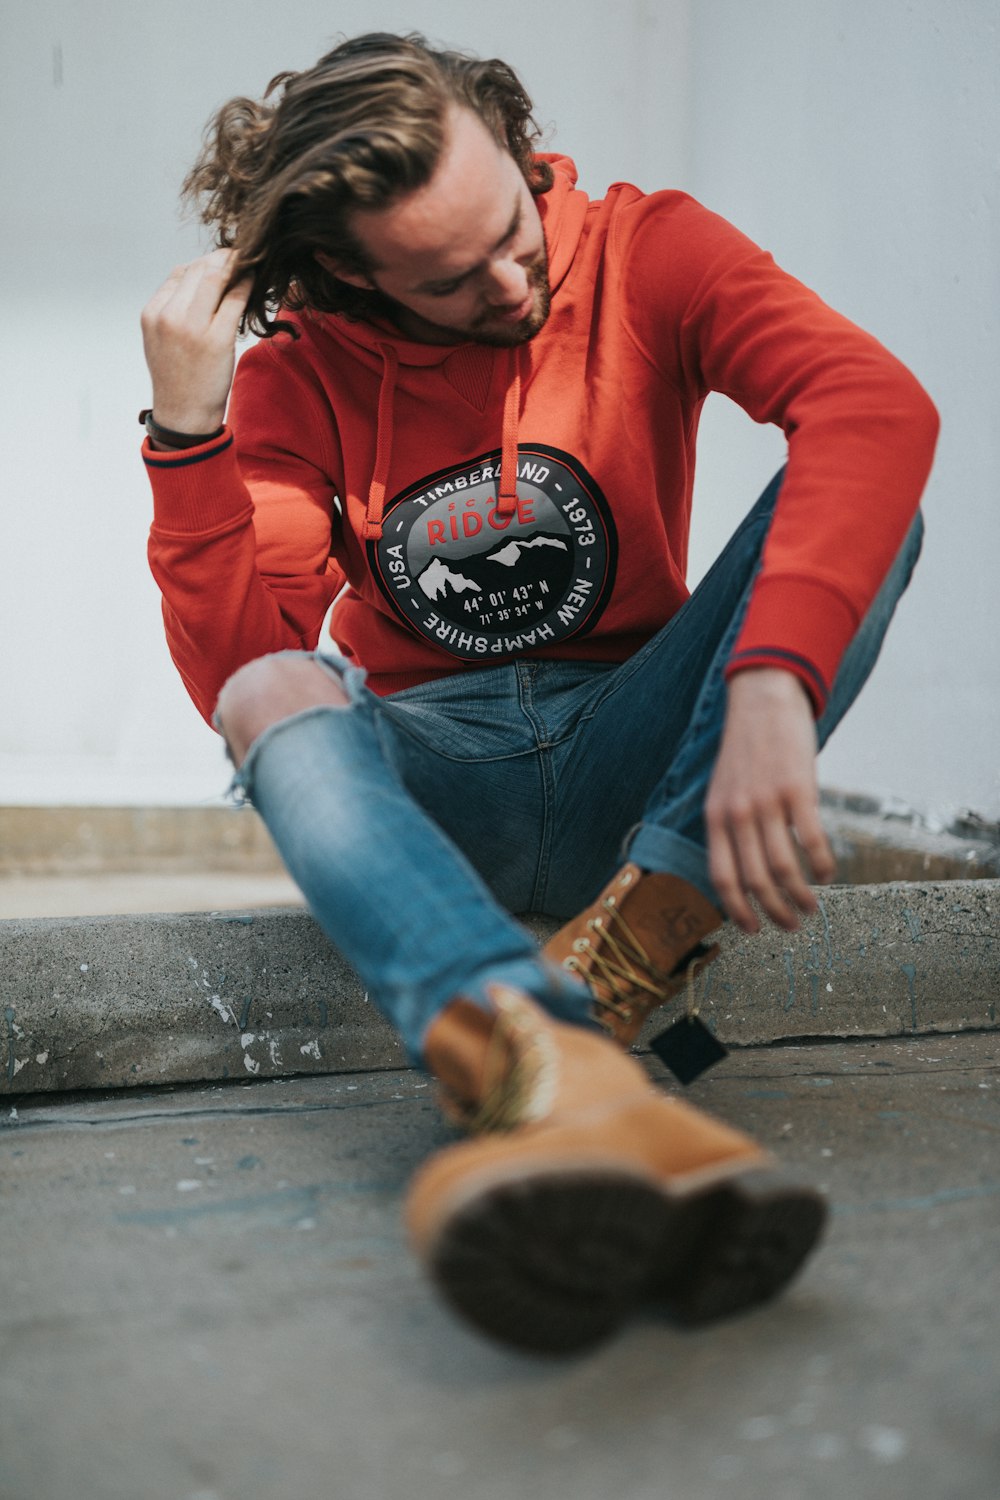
480,582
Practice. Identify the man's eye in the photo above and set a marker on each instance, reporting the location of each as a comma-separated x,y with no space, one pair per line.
445,291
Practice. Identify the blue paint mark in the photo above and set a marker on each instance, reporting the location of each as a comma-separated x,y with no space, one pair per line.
931,1200
827,939
9,1015
814,992
282,1205
324,1013
245,1013
911,988
790,971
766,1093
913,923
245,1163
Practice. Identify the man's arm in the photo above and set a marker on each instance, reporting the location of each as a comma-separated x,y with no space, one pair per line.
716,314
241,555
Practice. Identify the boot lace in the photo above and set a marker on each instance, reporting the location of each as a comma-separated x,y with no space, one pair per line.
621,973
519,1072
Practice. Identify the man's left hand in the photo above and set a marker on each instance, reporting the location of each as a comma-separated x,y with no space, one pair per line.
763,802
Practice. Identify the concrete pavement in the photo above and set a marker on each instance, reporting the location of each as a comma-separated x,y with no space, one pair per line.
207,1296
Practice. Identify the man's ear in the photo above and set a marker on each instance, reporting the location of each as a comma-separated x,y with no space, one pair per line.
353,278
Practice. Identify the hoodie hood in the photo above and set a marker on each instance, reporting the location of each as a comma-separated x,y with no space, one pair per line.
562,209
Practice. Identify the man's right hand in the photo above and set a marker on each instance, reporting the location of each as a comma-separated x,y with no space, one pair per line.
189,329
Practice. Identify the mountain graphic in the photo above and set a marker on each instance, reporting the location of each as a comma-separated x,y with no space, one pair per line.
438,578
510,554
525,562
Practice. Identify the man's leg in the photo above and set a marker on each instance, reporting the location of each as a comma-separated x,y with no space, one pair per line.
590,1188
387,886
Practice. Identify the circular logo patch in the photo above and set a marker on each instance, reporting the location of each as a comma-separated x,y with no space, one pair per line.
480,584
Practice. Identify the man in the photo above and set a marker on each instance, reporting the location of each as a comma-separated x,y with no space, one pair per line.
475,405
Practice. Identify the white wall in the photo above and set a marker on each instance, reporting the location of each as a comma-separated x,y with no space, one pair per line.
860,142
857,143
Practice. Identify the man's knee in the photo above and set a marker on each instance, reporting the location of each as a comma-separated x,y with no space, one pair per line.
268,690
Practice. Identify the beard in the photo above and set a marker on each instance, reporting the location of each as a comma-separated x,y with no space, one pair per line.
488,327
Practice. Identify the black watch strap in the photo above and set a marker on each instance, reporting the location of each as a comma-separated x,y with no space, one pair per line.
171,439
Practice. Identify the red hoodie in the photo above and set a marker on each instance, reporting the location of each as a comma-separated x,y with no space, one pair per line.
483,504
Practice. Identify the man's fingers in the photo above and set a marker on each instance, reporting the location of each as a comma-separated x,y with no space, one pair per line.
814,844
234,303
192,295
724,873
162,295
784,865
758,877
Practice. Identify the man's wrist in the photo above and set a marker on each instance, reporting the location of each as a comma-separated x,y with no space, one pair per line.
775,682
163,437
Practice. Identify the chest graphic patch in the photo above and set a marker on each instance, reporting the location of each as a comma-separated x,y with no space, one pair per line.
481,584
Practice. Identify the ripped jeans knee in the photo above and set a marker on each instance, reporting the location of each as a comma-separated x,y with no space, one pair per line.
262,698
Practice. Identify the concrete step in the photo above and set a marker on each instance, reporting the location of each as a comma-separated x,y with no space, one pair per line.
107,1002
873,843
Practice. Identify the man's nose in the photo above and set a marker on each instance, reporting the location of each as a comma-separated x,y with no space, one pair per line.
508,284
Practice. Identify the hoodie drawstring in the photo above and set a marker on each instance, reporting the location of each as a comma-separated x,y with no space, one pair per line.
507,500
383,443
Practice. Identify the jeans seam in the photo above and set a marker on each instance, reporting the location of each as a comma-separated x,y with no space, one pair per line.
399,724
526,673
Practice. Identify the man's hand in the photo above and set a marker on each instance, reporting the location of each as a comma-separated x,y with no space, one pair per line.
763,802
189,334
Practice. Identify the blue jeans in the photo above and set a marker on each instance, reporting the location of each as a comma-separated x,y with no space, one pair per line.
415,824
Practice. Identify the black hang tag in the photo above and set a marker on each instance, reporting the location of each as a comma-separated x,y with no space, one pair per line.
688,1048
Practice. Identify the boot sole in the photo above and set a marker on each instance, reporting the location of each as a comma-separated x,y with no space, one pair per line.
735,1244
554,1262
551,1262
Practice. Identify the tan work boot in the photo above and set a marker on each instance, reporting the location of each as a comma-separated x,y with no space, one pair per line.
592,1192
635,946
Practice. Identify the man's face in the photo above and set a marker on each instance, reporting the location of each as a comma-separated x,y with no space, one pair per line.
464,257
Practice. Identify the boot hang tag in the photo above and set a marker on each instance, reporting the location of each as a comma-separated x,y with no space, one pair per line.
688,1048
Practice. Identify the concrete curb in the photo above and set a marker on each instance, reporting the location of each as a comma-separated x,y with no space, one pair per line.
107,1002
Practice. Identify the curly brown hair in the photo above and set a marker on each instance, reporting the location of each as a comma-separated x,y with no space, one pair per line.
279,180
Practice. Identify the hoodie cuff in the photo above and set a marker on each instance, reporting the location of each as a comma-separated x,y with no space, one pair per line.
799,625
196,489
